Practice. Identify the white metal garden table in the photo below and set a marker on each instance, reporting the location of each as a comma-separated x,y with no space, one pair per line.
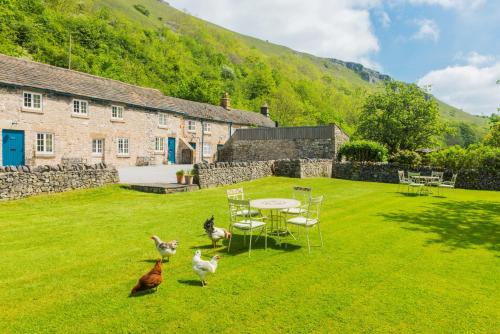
275,207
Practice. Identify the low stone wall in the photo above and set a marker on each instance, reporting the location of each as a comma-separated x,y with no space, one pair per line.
225,173
24,181
388,173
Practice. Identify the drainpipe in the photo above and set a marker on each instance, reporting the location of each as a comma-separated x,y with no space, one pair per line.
202,139
230,129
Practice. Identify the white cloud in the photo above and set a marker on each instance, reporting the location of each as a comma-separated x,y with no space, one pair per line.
336,28
385,19
474,58
456,4
470,87
428,29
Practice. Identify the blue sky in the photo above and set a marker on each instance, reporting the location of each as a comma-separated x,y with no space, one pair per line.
452,45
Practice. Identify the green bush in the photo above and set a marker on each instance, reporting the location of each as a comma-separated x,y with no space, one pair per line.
473,157
406,157
363,150
142,9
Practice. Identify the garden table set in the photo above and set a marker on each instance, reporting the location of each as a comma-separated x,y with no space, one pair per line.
275,206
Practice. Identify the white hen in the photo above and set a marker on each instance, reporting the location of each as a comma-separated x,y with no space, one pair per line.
202,267
166,249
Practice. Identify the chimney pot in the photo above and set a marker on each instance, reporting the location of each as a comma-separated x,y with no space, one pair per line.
264,110
225,101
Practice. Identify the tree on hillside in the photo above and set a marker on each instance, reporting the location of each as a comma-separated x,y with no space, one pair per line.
492,138
403,117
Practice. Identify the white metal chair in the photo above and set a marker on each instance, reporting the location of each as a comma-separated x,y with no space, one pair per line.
402,179
239,194
303,195
246,223
415,182
448,184
436,183
309,219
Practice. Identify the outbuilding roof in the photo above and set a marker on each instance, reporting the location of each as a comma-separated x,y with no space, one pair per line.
29,74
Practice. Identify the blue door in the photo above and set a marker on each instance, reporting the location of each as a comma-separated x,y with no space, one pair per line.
171,150
12,147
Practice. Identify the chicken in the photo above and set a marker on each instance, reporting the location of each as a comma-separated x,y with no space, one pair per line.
202,268
215,233
151,280
166,249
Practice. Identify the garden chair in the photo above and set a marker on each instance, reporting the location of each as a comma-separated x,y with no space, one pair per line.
415,182
303,195
402,179
309,219
438,182
246,223
448,184
239,194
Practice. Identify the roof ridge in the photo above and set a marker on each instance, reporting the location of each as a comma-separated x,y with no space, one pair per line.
78,72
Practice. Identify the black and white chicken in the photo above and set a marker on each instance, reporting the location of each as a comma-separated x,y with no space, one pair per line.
215,233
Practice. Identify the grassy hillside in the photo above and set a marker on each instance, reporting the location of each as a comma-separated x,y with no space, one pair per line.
149,43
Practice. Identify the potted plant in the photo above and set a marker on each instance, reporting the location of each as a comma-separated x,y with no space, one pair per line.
180,175
188,177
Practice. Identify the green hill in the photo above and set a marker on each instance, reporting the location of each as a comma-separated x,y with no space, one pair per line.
149,43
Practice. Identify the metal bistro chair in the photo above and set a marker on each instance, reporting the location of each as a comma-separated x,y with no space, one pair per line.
245,223
415,182
402,179
438,182
309,219
239,194
303,195
448,184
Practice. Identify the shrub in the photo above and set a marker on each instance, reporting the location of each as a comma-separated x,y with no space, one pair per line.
406,157
475,156
142,9
363,150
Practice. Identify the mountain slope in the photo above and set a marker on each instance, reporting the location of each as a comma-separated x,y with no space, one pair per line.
149,43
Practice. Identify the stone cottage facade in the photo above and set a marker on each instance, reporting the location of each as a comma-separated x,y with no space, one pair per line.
51,115
303,142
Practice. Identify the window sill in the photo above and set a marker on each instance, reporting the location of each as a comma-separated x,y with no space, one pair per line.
123,156
32,111
79,116
162,126
97,155
117,120
207,133
159,153
45,155
191,131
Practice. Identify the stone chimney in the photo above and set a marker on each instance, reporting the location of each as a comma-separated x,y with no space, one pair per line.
225,102
264,110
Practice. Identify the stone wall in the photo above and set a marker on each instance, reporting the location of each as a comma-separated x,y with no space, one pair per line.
226,173
23,181
388,173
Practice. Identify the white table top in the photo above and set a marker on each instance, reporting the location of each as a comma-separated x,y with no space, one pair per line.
274,203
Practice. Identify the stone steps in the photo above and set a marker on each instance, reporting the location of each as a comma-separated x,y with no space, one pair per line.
163,188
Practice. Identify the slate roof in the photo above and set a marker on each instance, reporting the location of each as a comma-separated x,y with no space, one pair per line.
29,74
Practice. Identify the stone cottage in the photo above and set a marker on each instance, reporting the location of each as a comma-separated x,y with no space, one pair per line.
304,142
51,115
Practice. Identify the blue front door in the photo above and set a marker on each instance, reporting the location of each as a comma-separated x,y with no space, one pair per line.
12,147
171,150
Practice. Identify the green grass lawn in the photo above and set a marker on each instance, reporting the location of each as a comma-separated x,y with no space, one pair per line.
391,264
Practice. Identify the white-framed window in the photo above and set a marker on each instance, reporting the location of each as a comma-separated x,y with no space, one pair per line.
159,144
116,112
97,146
162,119
207,127
122,146
32,100
45,143
80,107
207,150
191,126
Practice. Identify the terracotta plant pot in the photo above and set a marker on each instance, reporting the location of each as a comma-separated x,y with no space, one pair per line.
188,179
180,178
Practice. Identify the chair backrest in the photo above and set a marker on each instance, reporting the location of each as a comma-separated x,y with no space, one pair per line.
314,207
237,207
454,179
401,175
438,174
302,194
411,176
235,194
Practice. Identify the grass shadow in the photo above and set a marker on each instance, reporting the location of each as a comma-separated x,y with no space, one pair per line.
455,224
190,282
142,293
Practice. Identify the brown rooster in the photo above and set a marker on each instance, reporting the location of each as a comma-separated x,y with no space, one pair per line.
151,280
